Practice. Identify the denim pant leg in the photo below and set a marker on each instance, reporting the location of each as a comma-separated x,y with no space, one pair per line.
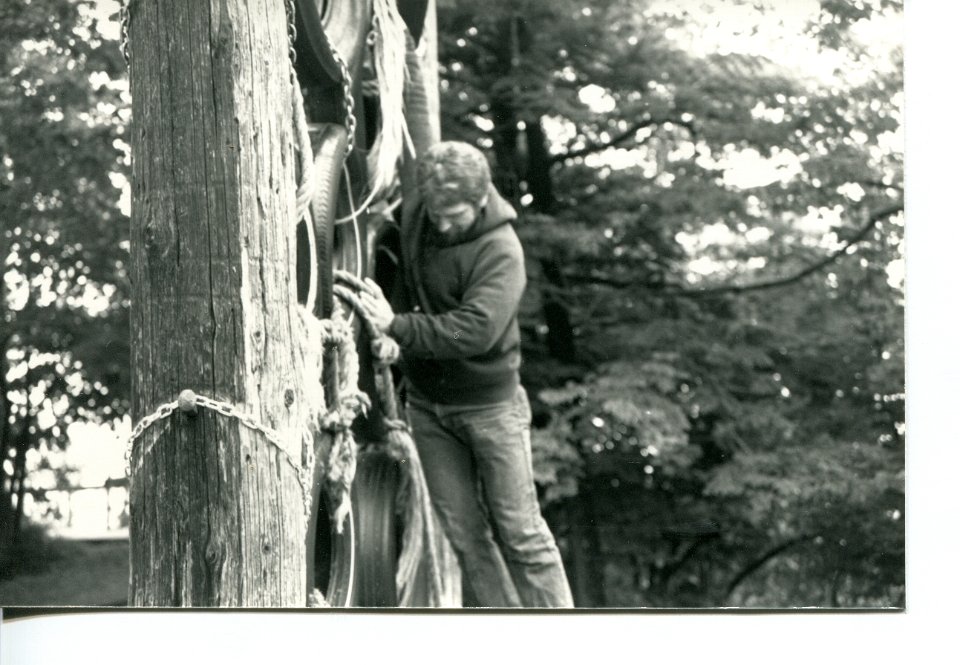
451,475
500,438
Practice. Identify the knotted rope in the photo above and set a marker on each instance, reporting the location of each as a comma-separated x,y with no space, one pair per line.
340,465
419,538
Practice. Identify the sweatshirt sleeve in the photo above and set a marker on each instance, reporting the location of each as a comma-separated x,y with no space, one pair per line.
489,304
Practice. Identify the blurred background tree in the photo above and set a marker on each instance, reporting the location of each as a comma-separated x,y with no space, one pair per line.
714,324
63,317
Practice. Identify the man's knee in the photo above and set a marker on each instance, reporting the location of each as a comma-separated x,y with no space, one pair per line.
465,529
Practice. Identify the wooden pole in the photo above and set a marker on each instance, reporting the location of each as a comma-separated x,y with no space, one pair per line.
217,514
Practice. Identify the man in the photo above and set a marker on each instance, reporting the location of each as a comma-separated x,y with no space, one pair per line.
463,276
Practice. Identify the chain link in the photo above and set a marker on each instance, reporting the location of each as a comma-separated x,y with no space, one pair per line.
125,31
348,105
351,118
291,10
163,411
166,410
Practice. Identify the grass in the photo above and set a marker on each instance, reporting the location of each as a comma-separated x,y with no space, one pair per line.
70,573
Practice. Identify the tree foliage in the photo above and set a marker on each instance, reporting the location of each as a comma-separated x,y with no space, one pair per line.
63,345
717,355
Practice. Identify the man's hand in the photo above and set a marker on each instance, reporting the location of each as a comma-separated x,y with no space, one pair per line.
378,309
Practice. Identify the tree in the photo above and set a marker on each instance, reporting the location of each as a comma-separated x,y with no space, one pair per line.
217,508
718,361
63,338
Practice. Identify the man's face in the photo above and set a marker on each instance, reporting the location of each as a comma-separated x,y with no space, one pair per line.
452,220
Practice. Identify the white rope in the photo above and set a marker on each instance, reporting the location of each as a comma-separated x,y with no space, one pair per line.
389,62
389,42
354,218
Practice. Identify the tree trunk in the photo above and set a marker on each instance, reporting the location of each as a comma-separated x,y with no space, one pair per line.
6,503
18,487
538,176
216,512
588,555
561,342
579,565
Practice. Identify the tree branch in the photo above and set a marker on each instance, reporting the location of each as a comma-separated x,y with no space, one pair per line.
755,286
809,270
758,563
670,569
622,137
879,184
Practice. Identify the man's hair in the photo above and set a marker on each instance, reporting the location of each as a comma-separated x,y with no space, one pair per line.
453,172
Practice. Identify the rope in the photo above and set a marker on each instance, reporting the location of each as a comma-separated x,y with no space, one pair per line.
340,467
307,185
388,40
341,463
389,62
355,220
316,599
419,537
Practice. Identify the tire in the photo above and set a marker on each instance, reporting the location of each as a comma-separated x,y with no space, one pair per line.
322,24
330,555
378,530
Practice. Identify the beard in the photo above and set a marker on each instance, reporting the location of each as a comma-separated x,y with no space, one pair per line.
450,237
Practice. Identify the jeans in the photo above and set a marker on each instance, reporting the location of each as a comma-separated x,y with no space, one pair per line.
461,445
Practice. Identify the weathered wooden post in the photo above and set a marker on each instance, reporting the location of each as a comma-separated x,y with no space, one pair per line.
217,510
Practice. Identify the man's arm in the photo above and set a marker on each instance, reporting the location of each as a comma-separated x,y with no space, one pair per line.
489,304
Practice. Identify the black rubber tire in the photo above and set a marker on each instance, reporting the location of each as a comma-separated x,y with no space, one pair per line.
329,565
322,23
378,530
414,13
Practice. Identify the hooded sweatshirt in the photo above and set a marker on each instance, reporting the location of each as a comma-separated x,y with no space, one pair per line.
457,303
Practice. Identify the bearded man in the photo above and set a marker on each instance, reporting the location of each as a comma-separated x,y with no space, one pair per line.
454,315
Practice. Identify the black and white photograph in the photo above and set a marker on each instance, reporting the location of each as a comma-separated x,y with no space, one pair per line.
444,305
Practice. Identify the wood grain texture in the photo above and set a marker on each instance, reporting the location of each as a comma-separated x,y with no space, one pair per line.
216,513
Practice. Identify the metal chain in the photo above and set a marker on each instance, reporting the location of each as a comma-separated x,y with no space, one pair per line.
352,402
246,419
351,118
125,31
166,410
163,411
291,9
348,106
